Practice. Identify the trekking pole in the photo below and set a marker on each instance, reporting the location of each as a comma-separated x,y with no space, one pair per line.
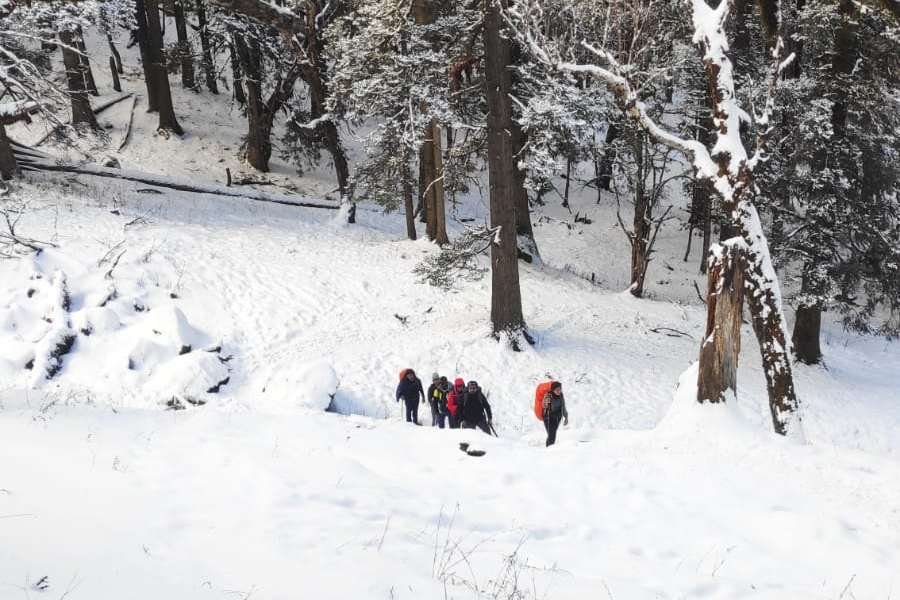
494,431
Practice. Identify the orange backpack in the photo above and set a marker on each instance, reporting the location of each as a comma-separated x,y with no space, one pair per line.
542,390
403,373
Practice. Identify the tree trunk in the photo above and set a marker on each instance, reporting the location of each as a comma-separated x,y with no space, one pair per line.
506,298
259,118
89,84
528,249
237,75
82,113
114,74
707,226
807,329
640,242
565,201
422,207
209,67
604,173
160,79
408,199
115,52
143,38
318,96
8,166
440,214
722,341
185,52
808,323
427,182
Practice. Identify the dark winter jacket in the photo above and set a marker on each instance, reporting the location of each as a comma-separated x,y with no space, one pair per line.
410,390
437,396
554,403
455,396
474,406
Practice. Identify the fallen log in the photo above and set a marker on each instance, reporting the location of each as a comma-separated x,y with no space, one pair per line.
33,160
128,125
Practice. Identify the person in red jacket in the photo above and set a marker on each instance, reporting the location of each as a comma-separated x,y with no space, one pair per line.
454,400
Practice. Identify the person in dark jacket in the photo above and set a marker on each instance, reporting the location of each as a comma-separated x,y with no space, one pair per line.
437,399
454,402
410,389
554,405
475,410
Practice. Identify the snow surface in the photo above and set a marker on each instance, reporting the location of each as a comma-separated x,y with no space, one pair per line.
262,493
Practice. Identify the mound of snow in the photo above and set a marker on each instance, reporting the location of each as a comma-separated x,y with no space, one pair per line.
168,325
190,378
311,385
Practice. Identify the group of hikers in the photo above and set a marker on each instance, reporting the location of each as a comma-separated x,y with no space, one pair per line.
464,405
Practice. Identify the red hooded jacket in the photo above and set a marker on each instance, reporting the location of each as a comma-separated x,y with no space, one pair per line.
454,398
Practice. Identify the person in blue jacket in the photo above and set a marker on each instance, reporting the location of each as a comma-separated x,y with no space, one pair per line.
410,389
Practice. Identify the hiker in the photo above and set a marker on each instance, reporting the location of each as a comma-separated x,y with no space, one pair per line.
410,389
554,404
454,401
437,399
473,409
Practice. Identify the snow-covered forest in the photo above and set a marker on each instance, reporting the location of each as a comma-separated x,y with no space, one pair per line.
246,244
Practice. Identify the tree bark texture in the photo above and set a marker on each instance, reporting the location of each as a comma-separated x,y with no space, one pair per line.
143,39
722,341
8,166
115,54
82,113
89,84
160,78
528,248
117,86
209,67
237,74
506,298
185,52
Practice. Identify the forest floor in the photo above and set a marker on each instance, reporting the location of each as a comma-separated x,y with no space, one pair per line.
250,314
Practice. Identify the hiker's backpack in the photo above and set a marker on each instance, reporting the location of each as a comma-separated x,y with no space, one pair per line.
542,390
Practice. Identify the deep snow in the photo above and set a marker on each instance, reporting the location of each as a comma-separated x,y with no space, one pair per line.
261,494
255,492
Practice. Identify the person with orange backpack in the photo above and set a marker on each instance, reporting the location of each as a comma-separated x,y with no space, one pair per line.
550,407
410,389
454,401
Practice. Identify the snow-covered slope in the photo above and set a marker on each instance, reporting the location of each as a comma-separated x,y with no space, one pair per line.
259,493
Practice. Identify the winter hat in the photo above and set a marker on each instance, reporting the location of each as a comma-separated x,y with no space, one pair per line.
555,386
459,382
473,383
435,376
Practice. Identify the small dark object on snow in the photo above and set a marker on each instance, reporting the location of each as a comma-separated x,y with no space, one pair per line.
41,584
111,162
148,191
184,350
403,320
464,446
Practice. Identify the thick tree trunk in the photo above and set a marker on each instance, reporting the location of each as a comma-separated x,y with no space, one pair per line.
640,242
143,38
160,79
807,330
185,52
506,298
82,113
89,84
318,96
431,182
209,67
528,249
259,118
408,205
722,341
440,214
8,166
115,53
237,75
